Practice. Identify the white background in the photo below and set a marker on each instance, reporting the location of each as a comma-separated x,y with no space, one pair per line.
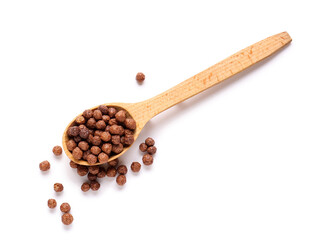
243,160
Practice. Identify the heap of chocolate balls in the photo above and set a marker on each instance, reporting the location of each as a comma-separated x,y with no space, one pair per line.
99,134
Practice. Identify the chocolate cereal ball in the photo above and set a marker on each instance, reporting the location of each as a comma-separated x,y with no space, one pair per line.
101,125
65,207
83,145
91,177
85,187
120,116
84,133
128,139
111,112
122,169
51,203
73,164
44,166
67,219
71,144
130,123
140,77
111,172
150,142
107,148
82,170
91,159
143,147
77,153
102,157
103,109
135,166
98,114
118,148
95,150
152,150
121,180
73,131
147,159
88,114
58,187
105,136
94,185
80,120
57,150
94,169
102,172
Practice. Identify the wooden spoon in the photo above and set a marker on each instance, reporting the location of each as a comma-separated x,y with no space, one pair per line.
143,111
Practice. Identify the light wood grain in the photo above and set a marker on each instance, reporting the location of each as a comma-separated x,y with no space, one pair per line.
142,112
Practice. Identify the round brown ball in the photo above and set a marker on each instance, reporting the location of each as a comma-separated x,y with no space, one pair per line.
94,169
58,187
121,180
73,164
71,144
73,131
67,219
44,166
91,123
77,153
143,147
102,157
130,123
96,141
103,109
150,142
57,150
120,116
111,172
95,150
83,145
65,207
88,114
147,159
106,118
152,150
102,172
128,139
91,177
84,133
116,139
105,136
113,163
122,169
94,185
51,203
85,187
91,159
98,114
82,170
111,112
135,166
107,148
112,122
140,77
118,148
101,125
80,120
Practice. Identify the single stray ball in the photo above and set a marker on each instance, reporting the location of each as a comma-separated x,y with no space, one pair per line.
67,219
58,187
147,159
57,150
94,185
143,147
150,142
44,166
65,207
51,203
140,77
135,166
121,180
85,187
152,150
122,170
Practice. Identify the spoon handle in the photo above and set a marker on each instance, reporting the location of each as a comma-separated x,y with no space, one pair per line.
215,74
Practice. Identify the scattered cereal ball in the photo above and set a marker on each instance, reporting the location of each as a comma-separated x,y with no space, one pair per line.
135,166
44,166
140,77
143,147
103,109
150,142
147,159
88,114
91,177
73,164
113,163
122,169
152,150
98,114
51,203
65,207
57,150
121,180
83,145
94,185
85,187
77,153
102,157
73,131
130,123
111,112
82,170
80,120
102,172
111,172
91,159
94,169
71,144
67,219
58,187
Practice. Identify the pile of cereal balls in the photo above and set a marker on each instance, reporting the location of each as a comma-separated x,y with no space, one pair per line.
98,134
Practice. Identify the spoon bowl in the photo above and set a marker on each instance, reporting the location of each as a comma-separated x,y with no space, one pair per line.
143,111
